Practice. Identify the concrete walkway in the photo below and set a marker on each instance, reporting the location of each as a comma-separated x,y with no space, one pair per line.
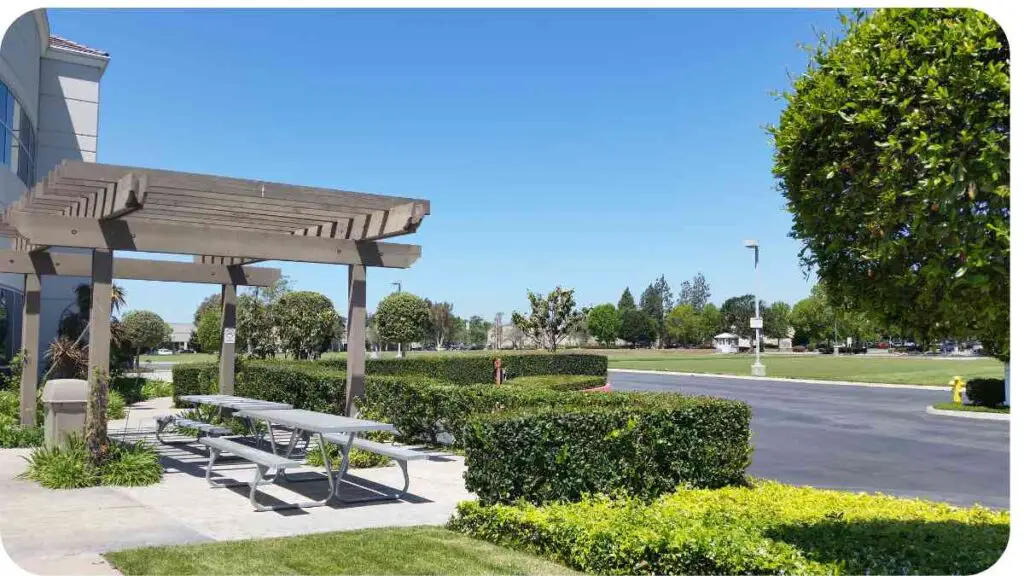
64,531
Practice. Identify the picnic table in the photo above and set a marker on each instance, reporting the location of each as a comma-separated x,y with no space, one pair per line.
222,401
328,428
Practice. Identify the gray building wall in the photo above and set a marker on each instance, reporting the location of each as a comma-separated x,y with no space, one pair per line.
59,88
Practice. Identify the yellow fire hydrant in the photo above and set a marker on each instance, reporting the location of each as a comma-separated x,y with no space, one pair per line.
958,385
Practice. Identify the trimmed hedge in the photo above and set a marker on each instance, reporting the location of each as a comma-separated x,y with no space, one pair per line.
425,408
644,443
990,392
194,378
301,384
769,528
479,369
560,382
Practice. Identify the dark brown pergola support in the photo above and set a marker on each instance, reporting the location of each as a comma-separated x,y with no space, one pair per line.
228,294
99,348
355,379
30,345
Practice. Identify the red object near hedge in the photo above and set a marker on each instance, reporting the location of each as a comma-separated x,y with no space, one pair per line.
605,388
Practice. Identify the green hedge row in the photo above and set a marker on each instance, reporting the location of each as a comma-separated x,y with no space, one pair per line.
989,392
768,528
644,443
560,383
478,369
301,384
194,378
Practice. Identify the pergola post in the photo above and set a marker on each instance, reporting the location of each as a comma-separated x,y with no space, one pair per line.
99,352
355,379
30,349
228,296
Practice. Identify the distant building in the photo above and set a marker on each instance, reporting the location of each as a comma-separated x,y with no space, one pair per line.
181,334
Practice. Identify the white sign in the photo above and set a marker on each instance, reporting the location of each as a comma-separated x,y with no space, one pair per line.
229,335
757,322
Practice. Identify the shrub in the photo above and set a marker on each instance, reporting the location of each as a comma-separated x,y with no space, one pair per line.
115,405
560,383
301,384
67,466
644,443
13,434
129,387
766,528
356,458
157,389
194,378
135,464
989,392
479,369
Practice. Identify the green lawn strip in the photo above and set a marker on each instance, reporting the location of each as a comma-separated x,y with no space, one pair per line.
417,550
919,371
176,358
969,408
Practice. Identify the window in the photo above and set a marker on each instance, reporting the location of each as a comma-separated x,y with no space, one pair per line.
17,137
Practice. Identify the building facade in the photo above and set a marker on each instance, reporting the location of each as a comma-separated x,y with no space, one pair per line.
49,112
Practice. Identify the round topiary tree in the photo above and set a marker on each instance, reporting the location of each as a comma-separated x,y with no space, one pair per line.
893,153
305,323
144,329
401,318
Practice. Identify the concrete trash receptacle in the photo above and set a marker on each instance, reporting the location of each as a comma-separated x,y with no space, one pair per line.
64,408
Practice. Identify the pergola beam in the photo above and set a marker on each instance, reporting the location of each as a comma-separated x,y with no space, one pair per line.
62,264
124,196
143,236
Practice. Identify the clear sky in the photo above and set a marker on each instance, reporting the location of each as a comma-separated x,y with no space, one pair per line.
589,149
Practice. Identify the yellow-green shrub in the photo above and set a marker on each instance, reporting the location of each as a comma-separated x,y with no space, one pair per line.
768,528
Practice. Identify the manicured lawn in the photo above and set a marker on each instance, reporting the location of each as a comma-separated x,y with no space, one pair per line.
968,408
419,550
177,358
904,370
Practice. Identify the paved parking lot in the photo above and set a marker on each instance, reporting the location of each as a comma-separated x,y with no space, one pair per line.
859,438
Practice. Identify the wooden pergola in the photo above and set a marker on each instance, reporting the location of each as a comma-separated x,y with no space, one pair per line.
224,223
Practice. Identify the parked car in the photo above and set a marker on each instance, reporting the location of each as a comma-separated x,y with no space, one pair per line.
164,352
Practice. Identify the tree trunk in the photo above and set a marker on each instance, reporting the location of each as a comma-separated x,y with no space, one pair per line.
401,353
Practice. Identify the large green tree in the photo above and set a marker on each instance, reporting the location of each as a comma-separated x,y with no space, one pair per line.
893,153
776,320
637,327
305,323
651,304
626,301
442,322
683,325
709,323
478,330
402,317
551,318
603,322
695,292
144,329
208,331
737,312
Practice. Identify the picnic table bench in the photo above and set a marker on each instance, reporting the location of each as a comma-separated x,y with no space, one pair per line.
219,400
329,429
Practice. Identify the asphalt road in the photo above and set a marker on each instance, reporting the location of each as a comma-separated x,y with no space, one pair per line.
859,438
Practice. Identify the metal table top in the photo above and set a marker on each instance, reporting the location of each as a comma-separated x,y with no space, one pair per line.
315,421
234,402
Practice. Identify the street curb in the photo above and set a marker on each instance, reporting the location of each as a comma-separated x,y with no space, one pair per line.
797,380
972,415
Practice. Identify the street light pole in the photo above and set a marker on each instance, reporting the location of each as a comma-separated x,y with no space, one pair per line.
757,369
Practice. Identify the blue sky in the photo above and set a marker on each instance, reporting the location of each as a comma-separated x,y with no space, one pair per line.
589,149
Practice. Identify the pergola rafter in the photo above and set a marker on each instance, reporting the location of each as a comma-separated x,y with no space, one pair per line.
223,223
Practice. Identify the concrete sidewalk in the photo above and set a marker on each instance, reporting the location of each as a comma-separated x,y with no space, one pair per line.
64,531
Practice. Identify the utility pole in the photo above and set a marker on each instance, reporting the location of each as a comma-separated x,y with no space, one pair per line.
757,369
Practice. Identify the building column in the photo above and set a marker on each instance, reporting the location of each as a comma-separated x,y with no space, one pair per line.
99,353
30,349
228,297
355,379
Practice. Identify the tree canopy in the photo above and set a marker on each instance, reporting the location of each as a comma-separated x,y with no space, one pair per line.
402,317
626,301
208,331
637,327
551,318
683,325
603,322
893,155
305,323
695,292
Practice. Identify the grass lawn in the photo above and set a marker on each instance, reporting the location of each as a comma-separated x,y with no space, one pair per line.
177,358
968,408
419,550
898,370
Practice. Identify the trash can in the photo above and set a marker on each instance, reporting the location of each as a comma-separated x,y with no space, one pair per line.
64,404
